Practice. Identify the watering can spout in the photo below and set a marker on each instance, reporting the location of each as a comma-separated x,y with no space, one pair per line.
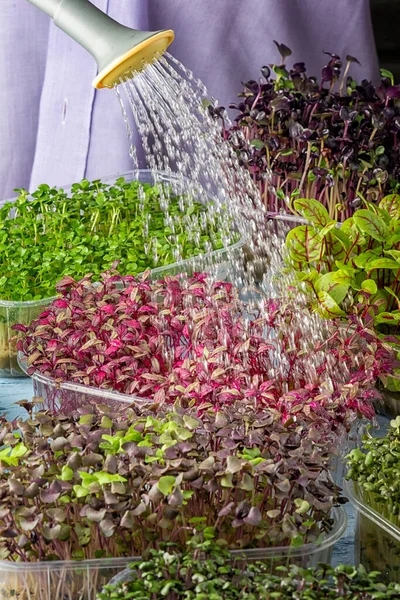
119,51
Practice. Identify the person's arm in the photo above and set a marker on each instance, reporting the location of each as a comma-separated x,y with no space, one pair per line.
23,38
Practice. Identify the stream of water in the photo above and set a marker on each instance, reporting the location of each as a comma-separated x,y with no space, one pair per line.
170,108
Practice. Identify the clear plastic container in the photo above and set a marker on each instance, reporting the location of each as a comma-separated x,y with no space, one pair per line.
389,404
377,540
215,263
66,397
11,313
60,580
347,442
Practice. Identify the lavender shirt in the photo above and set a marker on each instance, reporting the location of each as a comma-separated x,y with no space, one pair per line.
56,128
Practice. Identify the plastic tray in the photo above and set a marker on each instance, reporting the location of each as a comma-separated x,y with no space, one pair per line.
11,313
215,263
61,580
67,397
377,541
389,404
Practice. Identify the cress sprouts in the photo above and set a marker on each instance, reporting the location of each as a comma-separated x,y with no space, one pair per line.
53,233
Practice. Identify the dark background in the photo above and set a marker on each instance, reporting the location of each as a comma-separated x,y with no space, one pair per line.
386,24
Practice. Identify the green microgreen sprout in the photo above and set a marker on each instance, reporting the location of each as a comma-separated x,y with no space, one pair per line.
375,472
51,233
206,571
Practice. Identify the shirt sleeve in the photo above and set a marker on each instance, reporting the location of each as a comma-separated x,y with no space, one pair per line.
23,37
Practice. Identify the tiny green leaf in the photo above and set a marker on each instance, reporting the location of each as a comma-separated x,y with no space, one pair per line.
369,285
257,144
304,244
371,224
67,473
166,484
327,306
313,211
382,263
12,455
227,480
389,318
335,283
391,204
297,541
234,464
388,74
106,422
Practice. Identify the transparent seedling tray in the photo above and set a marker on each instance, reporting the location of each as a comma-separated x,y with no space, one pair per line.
10,314
67,397
377,541
389,404
215,262
61,580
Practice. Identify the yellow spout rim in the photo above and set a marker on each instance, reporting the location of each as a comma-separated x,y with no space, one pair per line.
135,60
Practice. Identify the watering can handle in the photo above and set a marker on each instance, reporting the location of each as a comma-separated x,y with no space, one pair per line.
48,6
90,27
117,49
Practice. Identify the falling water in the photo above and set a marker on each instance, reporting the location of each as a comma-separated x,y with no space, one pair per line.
173,114
132,147
169,107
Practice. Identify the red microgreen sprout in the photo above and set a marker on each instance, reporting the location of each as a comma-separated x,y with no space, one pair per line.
193,339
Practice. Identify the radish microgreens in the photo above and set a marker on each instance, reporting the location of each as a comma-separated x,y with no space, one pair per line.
94,484
332,139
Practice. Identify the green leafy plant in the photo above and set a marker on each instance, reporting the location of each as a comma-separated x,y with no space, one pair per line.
206,571
351,269
51,233
375,471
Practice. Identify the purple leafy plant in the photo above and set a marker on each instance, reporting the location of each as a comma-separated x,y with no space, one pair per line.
101,484
333,140
191,339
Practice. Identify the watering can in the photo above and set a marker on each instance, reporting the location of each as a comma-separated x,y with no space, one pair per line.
119,51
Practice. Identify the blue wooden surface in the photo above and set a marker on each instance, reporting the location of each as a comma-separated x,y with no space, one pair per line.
13,390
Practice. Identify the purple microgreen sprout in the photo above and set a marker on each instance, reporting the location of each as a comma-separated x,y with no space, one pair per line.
331,140
98,484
